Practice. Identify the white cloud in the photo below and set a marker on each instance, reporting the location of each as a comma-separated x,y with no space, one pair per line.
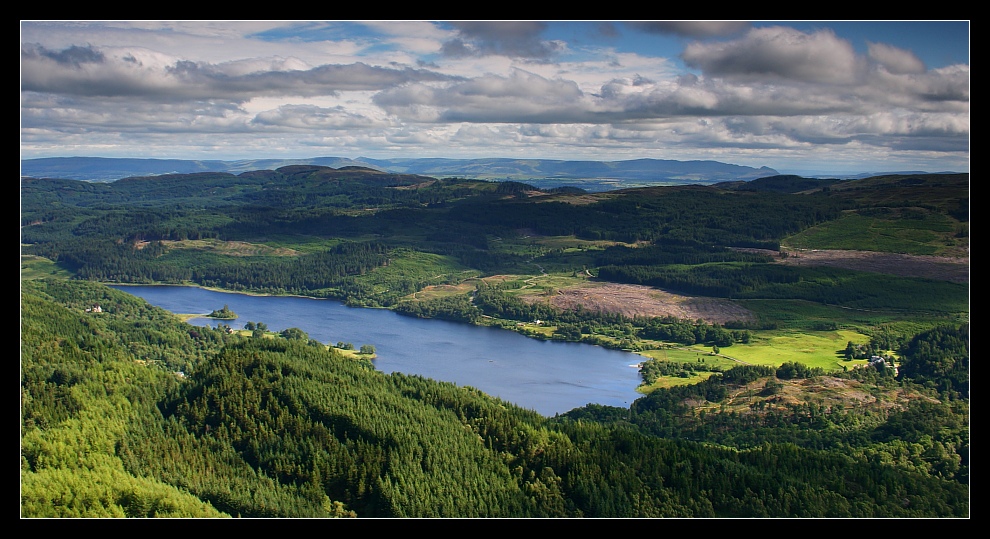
417,37
520,97
895,60
779,52
517,39
385,86
308,117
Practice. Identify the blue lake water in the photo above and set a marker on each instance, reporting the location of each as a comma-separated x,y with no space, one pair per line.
548,377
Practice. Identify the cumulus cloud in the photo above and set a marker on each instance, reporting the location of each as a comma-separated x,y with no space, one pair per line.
520,97
778,52
519,39
690,95
416,137
693,29
73,56
88,72
313,117
71,115
895,60
321,80
441,88
938,90
946,84
475,134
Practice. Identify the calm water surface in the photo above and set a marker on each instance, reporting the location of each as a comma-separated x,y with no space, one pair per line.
549,377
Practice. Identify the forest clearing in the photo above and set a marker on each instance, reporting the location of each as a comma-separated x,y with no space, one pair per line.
639,300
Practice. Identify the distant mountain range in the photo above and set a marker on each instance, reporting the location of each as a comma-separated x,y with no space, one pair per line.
637,171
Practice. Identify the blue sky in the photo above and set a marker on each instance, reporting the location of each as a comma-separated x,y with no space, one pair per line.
803,97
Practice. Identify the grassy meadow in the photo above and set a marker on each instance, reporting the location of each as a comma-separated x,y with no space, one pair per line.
36,267
906,231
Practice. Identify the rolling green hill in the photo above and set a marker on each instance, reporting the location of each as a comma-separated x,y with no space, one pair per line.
226,425
654,171
111,428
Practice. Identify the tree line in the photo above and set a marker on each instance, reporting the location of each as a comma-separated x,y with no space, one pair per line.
262,427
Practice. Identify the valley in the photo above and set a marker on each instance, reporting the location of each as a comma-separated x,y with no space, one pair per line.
793,326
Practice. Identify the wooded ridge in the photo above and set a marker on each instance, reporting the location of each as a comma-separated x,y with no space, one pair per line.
130,412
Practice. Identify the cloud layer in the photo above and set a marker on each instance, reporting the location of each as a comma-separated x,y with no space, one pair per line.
736,92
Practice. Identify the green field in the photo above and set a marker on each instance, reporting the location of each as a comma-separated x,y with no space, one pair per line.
915,232
818,349
773,348
807,316
36,267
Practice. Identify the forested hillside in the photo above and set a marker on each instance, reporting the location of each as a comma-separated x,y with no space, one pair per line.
342,225
653,171
226,425
845,392
375,239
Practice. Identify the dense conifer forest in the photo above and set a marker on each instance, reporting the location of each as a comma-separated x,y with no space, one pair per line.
126,411
227,425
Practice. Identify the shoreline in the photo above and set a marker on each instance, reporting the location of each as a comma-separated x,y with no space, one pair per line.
242,292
